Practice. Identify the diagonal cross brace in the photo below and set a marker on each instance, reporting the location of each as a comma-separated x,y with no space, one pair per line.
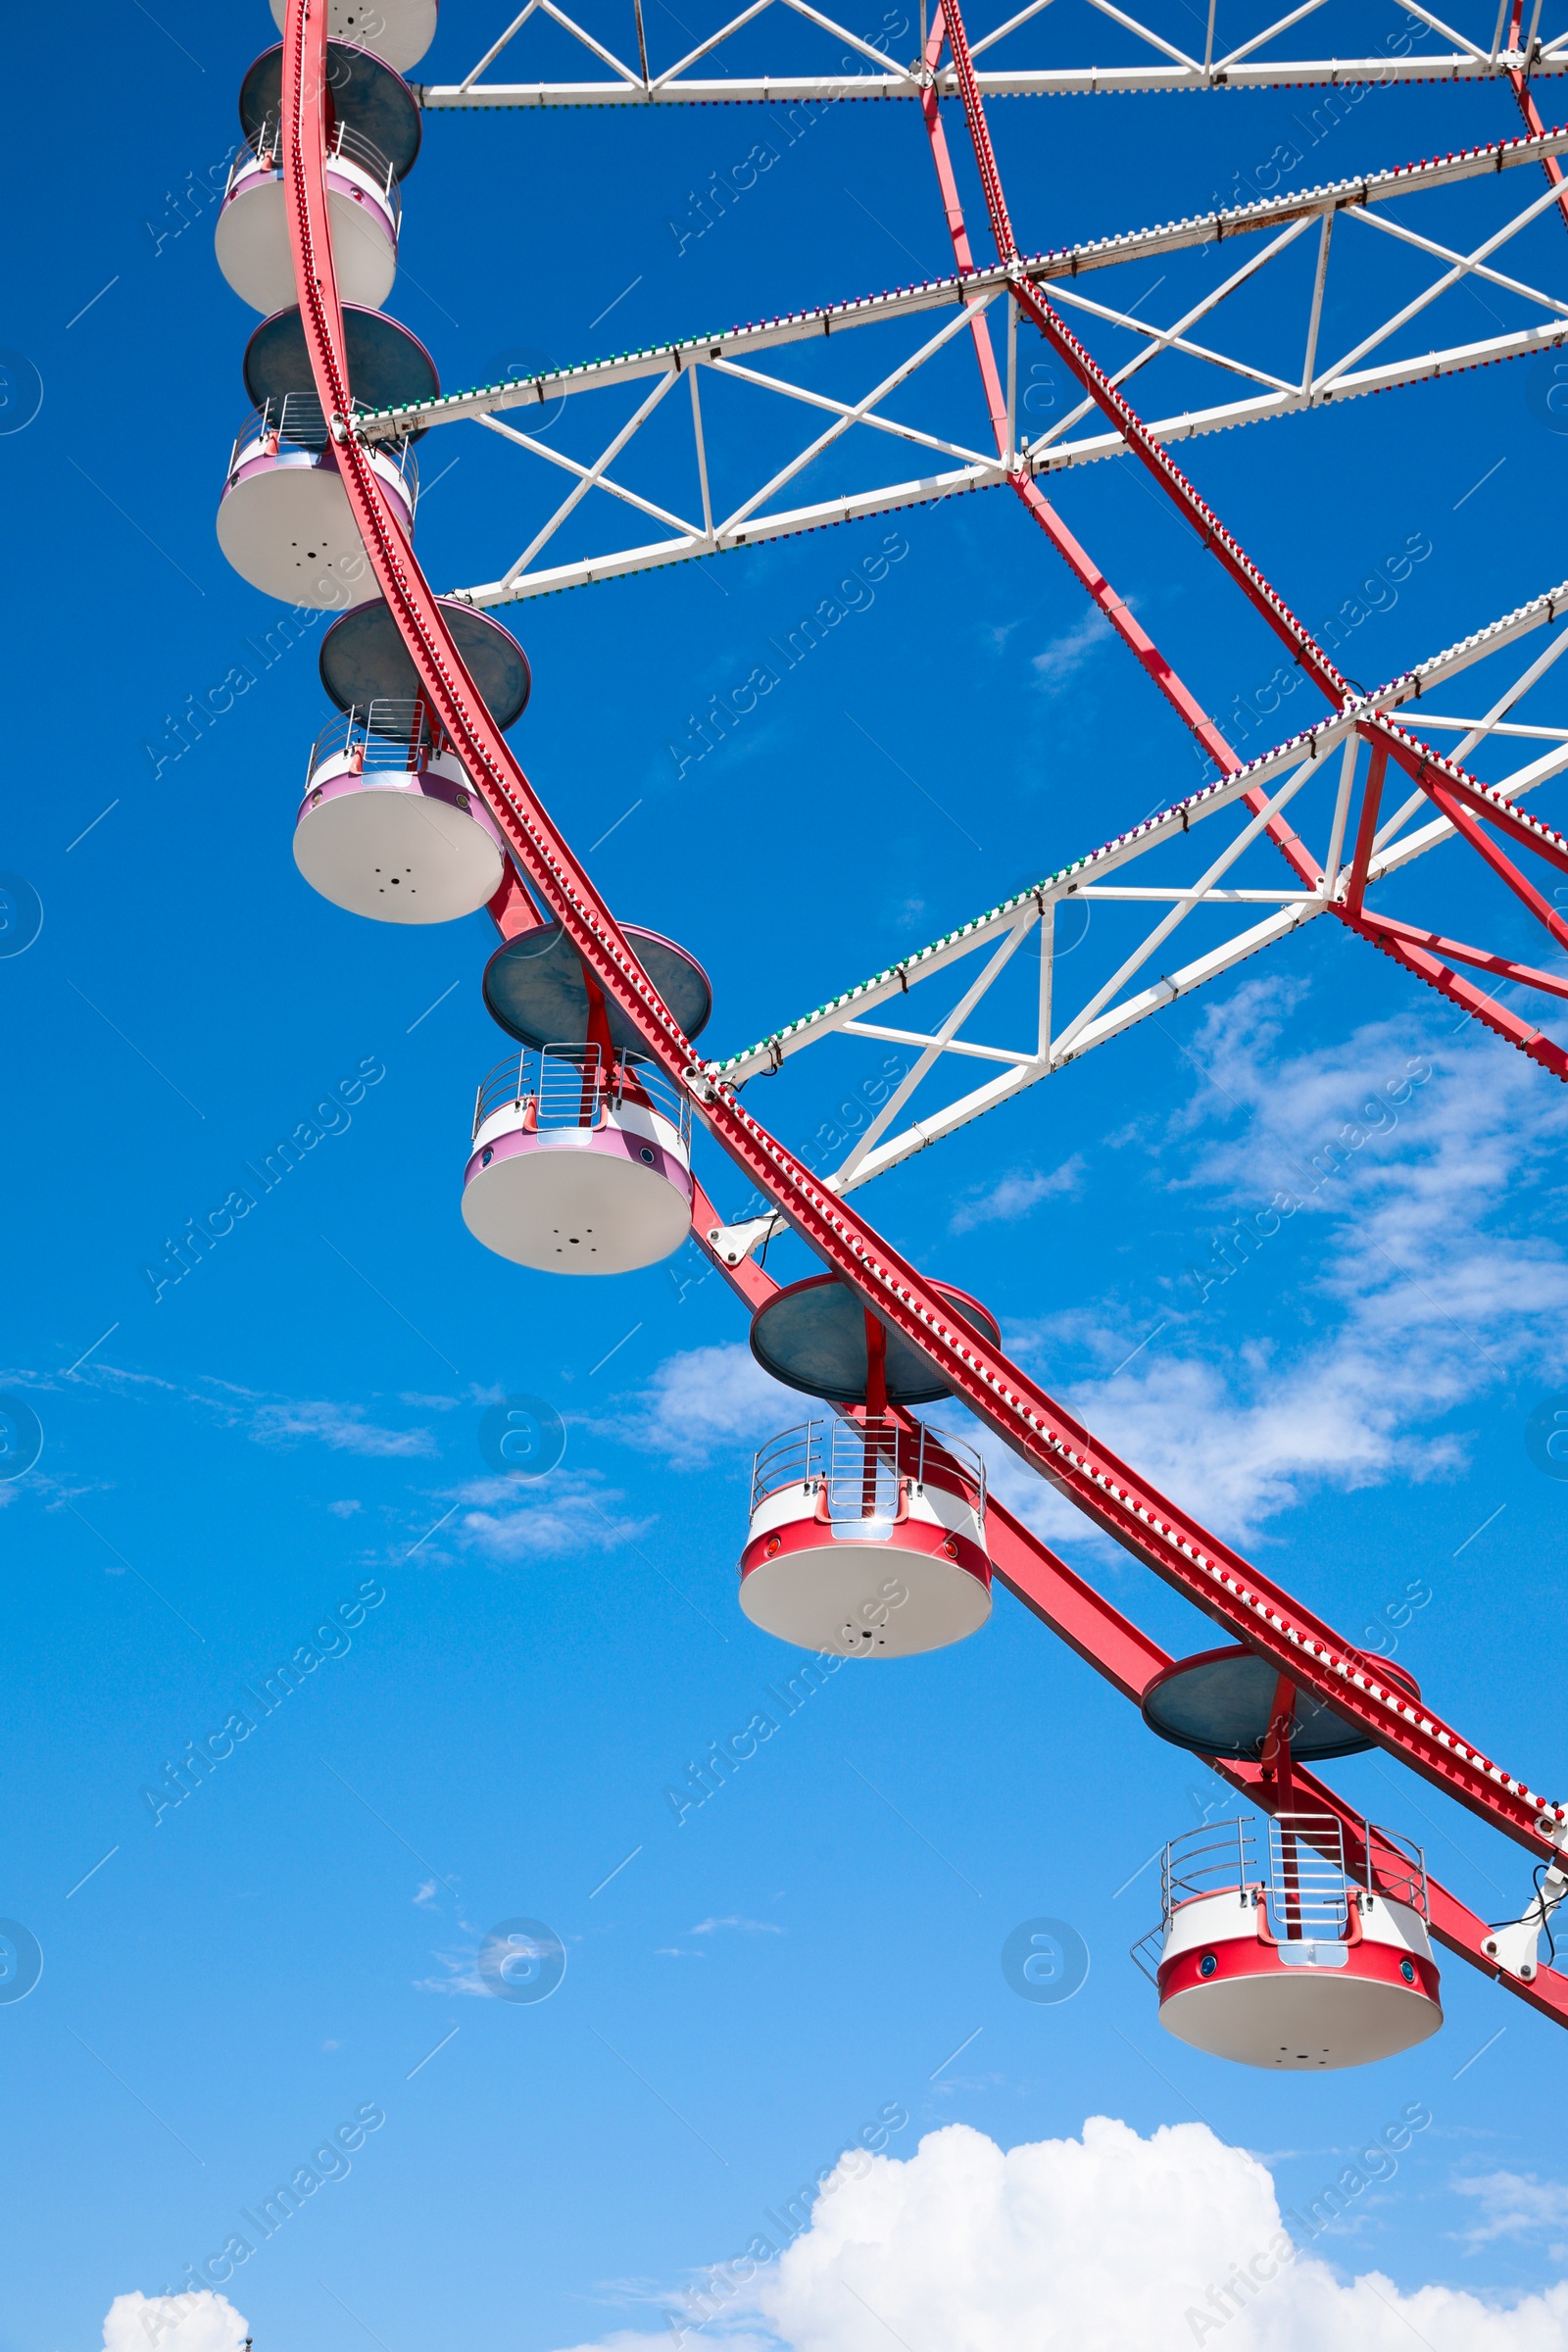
1303,647
1085,570
1483,800
1464,823
1503,968
1429,966
1082,565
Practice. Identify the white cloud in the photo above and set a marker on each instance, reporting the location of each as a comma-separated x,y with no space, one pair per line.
510,1519
285,1421
1236,1443
190,2323
1059,662
424,1892
710,1398
1512,2204
1421,1264
1014,1195
271,1420
1108,2243
626,2339
344,1510
744,1927
462,1977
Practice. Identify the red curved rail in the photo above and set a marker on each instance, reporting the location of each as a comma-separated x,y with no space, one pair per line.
1211,1574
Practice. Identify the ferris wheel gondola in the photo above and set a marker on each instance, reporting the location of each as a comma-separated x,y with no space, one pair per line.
373,147
390,825
579,1160
1279,1949
285,520
867,1530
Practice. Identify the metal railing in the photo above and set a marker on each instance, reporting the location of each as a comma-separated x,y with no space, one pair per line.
1396,1867
394,732
1147,1953
863,1465
568,1086
1308,1886
297,420
343,142
1301,1866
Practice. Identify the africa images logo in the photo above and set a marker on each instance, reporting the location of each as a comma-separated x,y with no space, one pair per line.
1045,1960
1547,391
522,1436
1546,1435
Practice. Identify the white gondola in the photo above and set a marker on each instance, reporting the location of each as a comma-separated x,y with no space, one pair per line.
390,826
284,521
252,235
580,1163
868,1538
1292,1946
581,1160
400,30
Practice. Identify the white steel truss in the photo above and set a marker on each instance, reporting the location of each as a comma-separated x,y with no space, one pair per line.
1106,1012
1375,210
1398,36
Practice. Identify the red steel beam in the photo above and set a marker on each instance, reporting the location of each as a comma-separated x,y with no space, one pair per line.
1503,968
511,910
1073,1611
1459,816
1292,631
1428,967
1079,562
1519,83
1082,565
1527,832
1462,799
1367,832
1303,647
1017,1410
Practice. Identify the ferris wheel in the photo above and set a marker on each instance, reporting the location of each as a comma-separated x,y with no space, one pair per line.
872,1531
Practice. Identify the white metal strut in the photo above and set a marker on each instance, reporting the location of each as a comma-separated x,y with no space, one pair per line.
1106,1012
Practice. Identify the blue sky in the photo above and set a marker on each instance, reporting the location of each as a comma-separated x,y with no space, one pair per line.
290,1435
